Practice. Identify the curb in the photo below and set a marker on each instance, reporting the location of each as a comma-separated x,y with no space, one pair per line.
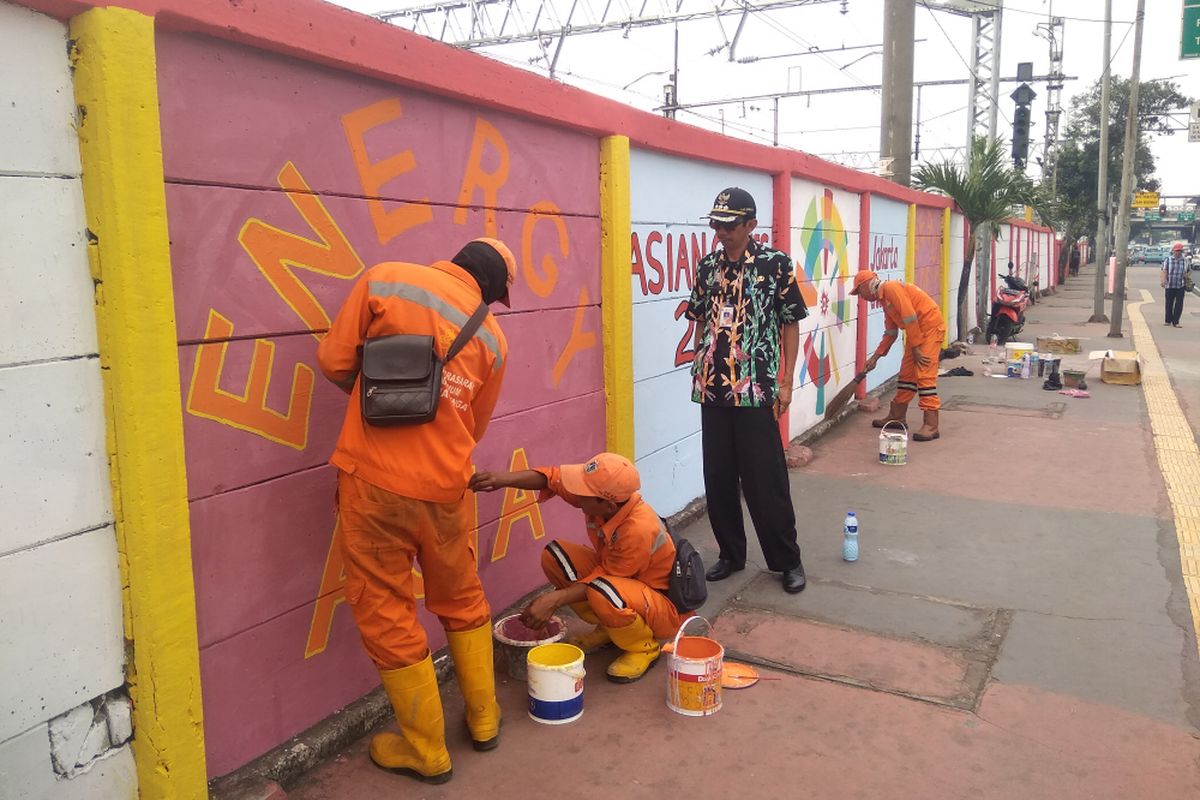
824,426
265,777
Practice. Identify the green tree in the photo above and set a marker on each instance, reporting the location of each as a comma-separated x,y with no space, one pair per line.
985,191
1079,149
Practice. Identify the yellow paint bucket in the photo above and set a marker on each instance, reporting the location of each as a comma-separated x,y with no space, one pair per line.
555,675
694,673
893,445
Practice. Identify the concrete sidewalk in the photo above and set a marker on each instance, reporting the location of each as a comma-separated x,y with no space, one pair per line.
1017,625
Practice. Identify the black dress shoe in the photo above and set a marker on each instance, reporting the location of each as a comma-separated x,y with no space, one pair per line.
794,580
722,570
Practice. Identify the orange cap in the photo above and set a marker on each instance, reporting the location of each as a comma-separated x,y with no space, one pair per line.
509,261
1177,247
861,277
607,476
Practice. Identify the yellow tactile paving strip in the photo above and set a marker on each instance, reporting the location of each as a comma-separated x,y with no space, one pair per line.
1178,455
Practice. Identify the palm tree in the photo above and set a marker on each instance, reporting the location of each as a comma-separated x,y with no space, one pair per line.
985,191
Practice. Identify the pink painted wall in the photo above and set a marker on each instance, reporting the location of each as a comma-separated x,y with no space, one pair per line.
928,271
260,161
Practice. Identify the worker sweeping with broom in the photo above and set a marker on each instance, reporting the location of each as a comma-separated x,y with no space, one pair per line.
907,306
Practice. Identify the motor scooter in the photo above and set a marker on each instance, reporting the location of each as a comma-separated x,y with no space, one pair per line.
1008,310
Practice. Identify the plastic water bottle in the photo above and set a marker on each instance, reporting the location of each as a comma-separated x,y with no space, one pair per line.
850,537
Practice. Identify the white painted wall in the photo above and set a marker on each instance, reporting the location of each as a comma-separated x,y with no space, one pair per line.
669,198
61,641
887,248
957,245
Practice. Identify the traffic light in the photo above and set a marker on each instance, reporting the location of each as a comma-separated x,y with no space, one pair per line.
1162,211
1023,96
1020,139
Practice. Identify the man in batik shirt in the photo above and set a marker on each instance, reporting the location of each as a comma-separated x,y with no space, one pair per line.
744,298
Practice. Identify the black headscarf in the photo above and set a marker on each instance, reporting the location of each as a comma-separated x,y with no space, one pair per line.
487,267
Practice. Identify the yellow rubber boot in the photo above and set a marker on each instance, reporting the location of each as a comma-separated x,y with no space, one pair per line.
641,651
419,750
472,654
596,638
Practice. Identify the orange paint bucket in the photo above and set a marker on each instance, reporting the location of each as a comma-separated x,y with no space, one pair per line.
694,673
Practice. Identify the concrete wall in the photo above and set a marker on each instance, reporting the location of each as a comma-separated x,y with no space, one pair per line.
824,244
957,248
668,239
63,716
258,273
297,149
887,250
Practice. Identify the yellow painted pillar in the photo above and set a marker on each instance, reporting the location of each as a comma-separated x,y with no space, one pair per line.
910,251
946,273
616,293
120,145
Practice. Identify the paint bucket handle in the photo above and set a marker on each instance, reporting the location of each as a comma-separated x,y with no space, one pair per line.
675,644
896,422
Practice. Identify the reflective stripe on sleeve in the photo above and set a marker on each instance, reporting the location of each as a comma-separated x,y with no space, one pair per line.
426,298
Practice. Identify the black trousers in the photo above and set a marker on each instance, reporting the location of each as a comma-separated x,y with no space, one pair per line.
1174,304
743,454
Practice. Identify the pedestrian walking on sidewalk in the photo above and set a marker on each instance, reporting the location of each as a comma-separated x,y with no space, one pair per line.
1174,272
402,495
746,302
907,306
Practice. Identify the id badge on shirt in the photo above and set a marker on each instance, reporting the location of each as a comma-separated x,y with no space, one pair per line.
725,318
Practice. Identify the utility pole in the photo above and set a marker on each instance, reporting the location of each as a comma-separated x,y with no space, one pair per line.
895,127
1101,243
1127,176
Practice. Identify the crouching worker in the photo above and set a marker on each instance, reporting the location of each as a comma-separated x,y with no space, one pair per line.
402,492
907,306
619,583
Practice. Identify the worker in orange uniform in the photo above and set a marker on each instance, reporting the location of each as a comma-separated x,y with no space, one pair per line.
402,496
619,583
907,306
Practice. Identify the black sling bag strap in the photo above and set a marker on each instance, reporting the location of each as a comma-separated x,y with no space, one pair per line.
402,374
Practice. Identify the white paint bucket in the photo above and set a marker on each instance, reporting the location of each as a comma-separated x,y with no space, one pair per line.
893,445
555,683
694,673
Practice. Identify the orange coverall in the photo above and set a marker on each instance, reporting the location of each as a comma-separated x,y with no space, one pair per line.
625,570
402,489
907,306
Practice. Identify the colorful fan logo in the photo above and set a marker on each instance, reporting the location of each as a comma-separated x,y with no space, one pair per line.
823,242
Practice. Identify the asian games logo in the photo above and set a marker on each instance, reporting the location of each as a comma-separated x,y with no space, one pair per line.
823,243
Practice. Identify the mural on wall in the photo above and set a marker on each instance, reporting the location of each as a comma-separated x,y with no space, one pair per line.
887,248
670,235
274,210
824,239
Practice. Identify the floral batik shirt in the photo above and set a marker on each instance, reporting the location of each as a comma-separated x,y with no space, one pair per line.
741,307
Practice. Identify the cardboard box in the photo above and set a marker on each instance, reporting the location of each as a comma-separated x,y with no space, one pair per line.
1122,367
1058,344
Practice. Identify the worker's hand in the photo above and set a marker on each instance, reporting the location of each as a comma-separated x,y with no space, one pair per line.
921,359
871,362
487,481
783,399
538,613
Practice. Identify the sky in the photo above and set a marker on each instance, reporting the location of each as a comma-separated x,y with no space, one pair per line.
845,127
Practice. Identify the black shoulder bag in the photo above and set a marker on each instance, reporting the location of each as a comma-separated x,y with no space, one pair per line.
686,587
402,375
